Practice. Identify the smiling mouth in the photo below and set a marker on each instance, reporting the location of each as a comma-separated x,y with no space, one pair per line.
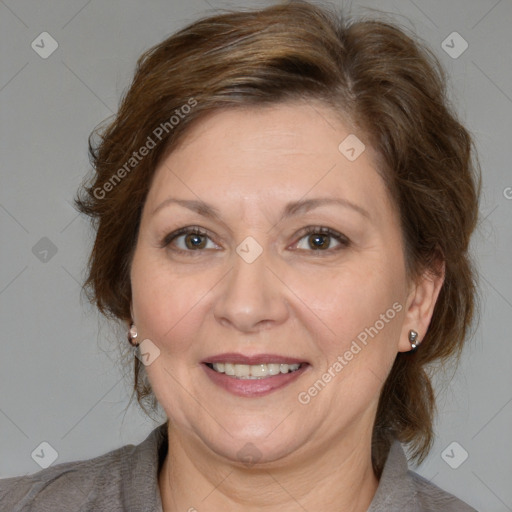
254,371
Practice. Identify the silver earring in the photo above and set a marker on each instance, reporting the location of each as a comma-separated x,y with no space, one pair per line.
132,334
413,339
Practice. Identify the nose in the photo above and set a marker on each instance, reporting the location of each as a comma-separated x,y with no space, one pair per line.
251,297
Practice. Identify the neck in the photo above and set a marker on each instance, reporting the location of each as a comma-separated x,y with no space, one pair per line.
338,478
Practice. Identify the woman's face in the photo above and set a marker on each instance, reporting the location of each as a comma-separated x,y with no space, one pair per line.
264,247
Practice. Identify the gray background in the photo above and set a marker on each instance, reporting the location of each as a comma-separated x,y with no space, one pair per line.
59,377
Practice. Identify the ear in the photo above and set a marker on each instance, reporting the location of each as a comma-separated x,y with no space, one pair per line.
421,301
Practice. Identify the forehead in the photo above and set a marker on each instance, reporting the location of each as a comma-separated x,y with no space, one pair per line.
269,155
272,130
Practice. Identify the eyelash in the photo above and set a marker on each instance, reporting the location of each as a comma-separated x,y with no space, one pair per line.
310,230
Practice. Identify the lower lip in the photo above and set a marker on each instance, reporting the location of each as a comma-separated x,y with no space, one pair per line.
253,387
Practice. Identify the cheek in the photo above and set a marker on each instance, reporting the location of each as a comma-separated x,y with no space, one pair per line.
167,306
349,300
359,315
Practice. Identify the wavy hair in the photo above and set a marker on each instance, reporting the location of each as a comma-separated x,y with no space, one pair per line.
371,72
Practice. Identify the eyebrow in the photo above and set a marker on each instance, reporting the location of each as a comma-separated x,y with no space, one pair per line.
200,207
291,209
304,205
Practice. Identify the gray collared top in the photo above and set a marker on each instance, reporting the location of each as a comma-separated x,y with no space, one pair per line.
126,479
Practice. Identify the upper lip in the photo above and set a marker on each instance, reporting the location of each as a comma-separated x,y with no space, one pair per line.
236,358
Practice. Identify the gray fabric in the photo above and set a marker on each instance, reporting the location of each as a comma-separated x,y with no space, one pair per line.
126,479
403,490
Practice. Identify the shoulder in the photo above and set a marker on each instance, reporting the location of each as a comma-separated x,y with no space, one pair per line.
71,484
400,489
108,482
432,498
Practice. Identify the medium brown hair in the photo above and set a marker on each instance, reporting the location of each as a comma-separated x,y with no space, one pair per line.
388,85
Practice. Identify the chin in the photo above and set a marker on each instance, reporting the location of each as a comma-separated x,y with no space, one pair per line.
255,446
254,453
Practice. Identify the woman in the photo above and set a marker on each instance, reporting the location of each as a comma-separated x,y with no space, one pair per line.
283,205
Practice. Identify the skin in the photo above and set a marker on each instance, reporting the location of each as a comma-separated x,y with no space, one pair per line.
293,300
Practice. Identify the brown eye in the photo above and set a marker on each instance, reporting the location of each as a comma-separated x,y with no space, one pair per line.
195,241
319,241
189,239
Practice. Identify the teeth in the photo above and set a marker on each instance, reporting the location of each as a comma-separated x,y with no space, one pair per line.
259,370
242,370
254,371
274,369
